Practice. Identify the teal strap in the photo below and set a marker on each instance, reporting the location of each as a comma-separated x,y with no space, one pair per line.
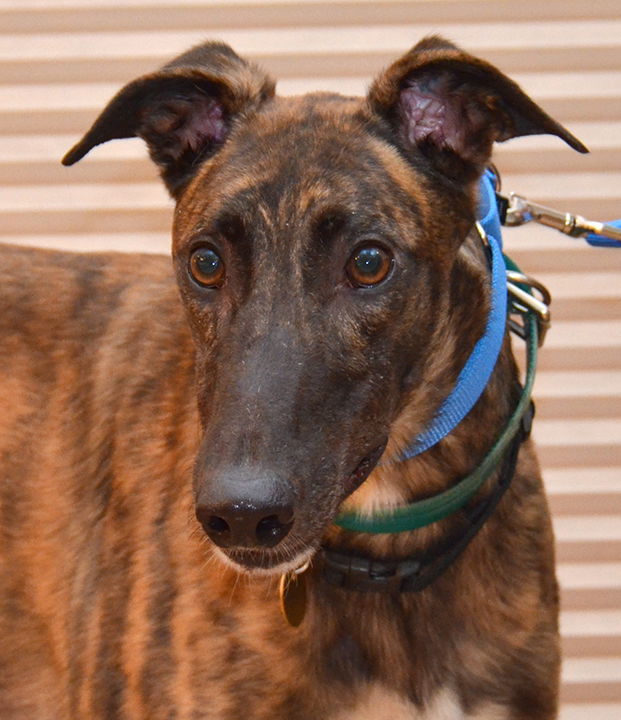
424,512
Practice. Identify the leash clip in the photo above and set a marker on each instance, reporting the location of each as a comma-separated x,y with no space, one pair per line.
517,210
524,301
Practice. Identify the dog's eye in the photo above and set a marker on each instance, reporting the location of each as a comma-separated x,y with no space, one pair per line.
368,266
206,267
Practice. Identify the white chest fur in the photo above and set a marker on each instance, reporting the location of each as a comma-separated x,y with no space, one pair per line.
378,703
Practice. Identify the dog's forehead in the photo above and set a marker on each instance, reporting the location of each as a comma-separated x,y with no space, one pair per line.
300,153
317,116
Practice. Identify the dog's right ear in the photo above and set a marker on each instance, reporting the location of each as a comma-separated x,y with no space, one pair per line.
184,112
450,107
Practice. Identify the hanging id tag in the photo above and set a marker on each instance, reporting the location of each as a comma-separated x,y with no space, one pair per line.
292,592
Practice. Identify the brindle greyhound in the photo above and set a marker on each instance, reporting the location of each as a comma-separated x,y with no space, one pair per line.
331,291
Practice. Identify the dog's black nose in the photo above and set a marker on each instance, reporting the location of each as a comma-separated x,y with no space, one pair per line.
240,512
242,525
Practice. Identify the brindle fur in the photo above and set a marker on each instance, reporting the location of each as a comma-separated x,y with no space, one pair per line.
121,405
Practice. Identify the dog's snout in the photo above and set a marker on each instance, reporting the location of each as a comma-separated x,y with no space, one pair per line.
255,513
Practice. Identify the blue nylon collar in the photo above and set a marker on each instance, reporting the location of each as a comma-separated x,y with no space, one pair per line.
476,373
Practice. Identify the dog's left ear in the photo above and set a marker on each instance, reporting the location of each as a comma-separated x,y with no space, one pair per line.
184,112
451,107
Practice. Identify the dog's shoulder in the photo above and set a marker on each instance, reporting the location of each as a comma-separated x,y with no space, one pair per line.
62,309
21,265
62,290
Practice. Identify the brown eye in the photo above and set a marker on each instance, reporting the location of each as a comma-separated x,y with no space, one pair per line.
368,266
206,267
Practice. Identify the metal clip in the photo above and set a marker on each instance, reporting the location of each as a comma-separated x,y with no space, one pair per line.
520,211
524,301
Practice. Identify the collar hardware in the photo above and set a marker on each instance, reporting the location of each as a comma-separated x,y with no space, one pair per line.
523,300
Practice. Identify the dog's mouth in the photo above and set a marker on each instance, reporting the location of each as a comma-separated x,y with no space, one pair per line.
257,562
363,469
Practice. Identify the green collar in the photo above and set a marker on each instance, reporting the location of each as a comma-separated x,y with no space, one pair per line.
535,318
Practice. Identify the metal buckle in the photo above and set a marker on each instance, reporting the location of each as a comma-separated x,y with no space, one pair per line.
525,301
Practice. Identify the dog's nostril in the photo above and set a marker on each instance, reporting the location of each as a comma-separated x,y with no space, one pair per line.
272,529
217,525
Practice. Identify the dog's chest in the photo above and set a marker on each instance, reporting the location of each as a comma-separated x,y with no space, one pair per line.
379,703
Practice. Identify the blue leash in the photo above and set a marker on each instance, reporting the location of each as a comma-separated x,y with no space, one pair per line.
604,240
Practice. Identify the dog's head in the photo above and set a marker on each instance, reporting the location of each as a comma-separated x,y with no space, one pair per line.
317,251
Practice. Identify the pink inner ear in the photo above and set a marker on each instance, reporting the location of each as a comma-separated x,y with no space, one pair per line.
186,123
434,112
205,122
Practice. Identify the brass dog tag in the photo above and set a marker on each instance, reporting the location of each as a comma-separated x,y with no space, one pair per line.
293,595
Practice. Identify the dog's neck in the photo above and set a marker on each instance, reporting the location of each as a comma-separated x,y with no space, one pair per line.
337,612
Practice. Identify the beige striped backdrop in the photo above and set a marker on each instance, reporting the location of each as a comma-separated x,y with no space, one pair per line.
61,60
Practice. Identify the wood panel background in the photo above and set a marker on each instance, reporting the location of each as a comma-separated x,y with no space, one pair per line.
61,60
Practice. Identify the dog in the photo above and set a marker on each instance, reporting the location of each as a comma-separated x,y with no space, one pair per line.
175,443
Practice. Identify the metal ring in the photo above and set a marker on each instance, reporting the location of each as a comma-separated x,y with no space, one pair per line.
522,279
